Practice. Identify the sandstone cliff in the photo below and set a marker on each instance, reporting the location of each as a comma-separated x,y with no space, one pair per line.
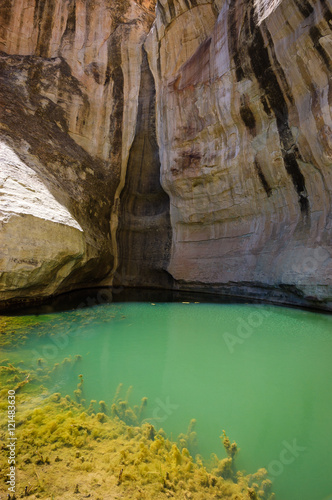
192,150
69,84
244,99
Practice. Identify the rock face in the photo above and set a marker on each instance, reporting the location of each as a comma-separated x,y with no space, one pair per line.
190,151
69,84
244,98
144,235
51,242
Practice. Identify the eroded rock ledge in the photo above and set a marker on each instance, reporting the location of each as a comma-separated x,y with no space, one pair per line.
190,151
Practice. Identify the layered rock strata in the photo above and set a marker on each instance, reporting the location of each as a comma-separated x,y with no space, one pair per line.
69,84
244,99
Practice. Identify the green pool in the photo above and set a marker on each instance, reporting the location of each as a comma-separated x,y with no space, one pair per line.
262,373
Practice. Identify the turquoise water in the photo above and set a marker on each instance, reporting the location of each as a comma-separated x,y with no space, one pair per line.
262,373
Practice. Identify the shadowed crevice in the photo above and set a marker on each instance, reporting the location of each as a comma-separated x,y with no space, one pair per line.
263,180
144,233
268,81
315,36
307,10
44,12
116,75
171,9
233,40
304,7
327,13
248,117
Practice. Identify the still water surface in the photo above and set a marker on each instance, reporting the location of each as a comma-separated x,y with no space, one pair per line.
262,373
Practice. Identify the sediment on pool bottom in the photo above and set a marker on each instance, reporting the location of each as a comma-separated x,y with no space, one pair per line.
70,448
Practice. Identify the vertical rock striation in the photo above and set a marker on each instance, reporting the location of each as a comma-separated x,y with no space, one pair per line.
69,83
144,232
244,101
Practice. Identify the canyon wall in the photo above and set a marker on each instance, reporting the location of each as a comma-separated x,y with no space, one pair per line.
244,98
70,76
186,147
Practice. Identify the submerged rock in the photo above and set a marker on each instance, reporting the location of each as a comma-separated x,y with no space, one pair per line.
186,148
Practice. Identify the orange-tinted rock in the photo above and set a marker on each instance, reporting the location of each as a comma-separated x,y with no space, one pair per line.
69,80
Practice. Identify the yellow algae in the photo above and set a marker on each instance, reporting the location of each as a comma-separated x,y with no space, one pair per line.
103,407
15,330
117,394
91,407
66,450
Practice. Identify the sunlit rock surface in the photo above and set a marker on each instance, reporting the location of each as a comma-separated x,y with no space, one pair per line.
192,150
41,241
69,82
